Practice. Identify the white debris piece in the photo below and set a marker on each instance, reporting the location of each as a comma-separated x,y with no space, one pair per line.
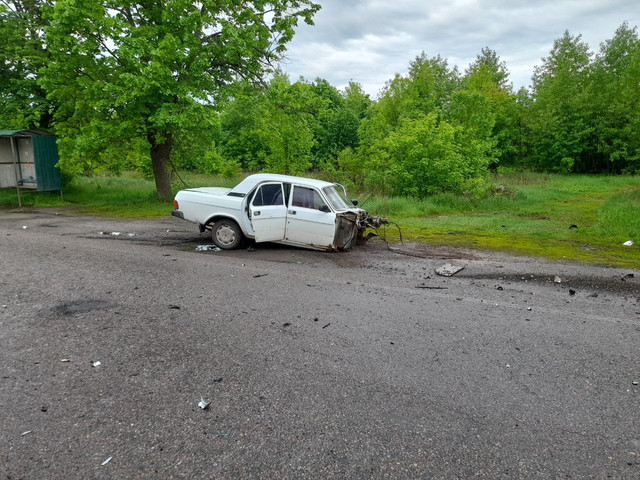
65,360
207,248
25,433
106,461
448,270
116,234
4,306
131,234
24,227
95,364
202,404
628,243
557,279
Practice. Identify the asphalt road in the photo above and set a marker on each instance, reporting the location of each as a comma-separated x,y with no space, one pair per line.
317,365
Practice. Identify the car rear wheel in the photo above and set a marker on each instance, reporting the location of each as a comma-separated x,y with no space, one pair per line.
226,234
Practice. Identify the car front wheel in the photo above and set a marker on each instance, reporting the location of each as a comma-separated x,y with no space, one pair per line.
226,234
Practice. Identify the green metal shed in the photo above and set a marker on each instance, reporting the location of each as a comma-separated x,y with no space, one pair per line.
28,160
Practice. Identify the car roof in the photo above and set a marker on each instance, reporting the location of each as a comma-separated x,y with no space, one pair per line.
251,181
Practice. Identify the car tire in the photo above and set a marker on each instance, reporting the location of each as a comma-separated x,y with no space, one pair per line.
226,234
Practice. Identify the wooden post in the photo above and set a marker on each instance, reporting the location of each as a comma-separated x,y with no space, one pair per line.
15,170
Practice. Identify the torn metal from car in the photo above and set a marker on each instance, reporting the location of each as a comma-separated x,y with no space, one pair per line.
297,211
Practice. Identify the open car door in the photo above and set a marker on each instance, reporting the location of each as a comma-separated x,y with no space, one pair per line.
268,213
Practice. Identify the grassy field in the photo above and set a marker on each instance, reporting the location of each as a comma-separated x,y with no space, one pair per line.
532,213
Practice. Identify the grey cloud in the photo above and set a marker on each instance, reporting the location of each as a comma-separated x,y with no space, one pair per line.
370,40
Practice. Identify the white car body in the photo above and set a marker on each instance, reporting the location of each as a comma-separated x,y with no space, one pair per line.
304,213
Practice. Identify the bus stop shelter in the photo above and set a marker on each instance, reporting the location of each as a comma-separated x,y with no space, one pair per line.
28,160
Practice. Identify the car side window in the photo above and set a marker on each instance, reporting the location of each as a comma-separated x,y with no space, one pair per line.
306,198
270,194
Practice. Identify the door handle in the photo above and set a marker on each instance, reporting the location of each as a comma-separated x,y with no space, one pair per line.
291,212
255,214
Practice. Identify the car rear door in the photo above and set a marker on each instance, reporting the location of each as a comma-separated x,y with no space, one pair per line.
268,213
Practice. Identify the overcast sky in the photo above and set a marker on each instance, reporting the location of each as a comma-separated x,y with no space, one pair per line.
368,41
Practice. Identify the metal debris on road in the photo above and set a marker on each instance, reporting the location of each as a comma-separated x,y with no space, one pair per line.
95,364
106,461
202,404
326,325
25,433
207,248
628,243
447,270
557,279
429,287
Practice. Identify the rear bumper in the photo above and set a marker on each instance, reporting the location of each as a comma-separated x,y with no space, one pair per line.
177,213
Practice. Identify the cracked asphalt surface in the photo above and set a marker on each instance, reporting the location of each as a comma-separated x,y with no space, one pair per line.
363,364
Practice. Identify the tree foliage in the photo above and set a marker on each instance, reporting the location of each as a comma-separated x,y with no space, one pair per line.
129,70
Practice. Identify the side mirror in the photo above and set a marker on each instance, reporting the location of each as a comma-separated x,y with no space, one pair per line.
324,208
355,202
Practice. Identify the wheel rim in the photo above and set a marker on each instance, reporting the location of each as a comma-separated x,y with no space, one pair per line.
225,235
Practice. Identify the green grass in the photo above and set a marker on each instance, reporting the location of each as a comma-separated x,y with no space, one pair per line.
536,211
532,217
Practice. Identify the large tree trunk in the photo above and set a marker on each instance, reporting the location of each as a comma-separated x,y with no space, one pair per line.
160,153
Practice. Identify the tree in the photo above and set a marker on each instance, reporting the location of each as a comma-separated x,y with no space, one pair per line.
615,95
139,69
559,115
23,102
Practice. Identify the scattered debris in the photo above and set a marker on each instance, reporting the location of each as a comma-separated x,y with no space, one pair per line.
174,307
65,360
24,227
572,292
260,275
106,461
593,295
326,325
429,287
44,408
115,234
286,324
499,287
447,270
202,404
557,279
95,364
131,234
628,275
217,380
207,248
529,309
628,243
573,227
25,433
4,306
632,383
316,319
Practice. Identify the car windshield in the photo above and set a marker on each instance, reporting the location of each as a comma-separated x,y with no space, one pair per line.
337,198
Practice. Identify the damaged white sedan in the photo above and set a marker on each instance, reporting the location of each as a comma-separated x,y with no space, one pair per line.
298,211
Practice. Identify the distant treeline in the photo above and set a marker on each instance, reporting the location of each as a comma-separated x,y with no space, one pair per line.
433,129
437,128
